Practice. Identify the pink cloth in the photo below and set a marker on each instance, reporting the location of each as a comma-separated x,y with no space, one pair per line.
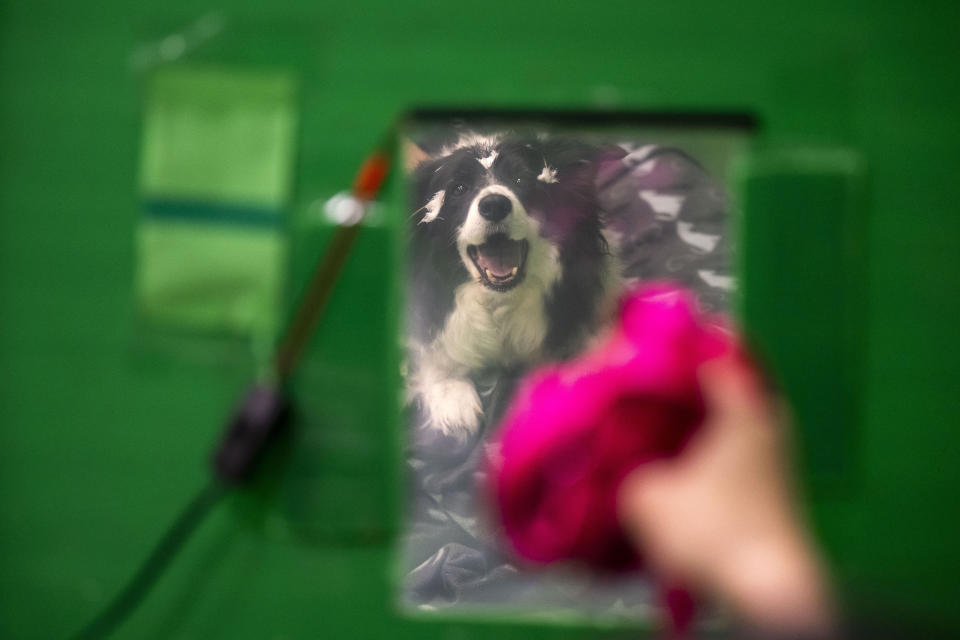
575,430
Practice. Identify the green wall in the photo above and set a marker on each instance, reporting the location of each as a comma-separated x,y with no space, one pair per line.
104,430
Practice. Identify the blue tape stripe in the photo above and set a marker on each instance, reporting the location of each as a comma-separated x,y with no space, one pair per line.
214,213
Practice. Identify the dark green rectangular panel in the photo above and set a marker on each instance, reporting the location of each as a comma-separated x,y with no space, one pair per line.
803,292
337,482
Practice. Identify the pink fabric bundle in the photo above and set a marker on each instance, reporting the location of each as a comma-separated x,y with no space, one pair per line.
575,430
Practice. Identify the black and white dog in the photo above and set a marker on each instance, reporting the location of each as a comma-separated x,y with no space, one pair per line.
508,266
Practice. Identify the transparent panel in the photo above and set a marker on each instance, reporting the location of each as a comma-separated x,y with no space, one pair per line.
520,239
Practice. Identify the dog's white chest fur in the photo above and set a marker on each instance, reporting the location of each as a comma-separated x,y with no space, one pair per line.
488,328
485,329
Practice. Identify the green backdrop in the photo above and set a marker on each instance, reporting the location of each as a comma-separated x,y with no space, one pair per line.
105,426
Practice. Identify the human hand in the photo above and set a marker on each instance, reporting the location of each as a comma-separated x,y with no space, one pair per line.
722,518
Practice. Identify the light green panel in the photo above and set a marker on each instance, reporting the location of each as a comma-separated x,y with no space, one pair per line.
216,169
219,135
199,276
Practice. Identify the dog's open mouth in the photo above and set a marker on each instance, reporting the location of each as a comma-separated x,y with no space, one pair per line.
500,261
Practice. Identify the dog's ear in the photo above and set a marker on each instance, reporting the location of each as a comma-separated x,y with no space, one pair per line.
413,155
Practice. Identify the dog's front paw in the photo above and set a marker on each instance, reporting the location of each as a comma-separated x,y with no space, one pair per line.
452,406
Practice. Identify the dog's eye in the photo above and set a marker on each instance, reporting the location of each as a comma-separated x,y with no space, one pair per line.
458,190
519,181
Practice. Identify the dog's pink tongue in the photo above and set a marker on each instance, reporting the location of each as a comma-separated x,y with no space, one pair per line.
500,256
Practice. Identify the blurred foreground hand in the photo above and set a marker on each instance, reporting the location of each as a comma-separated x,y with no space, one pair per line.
722,518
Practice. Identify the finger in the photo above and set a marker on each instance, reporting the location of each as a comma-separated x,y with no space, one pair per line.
733,389
643,492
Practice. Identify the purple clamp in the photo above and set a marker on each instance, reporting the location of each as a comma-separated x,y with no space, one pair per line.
260,415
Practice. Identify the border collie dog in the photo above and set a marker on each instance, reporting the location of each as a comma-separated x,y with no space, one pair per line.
508,266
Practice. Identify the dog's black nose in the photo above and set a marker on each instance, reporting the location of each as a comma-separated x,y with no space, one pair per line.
494,207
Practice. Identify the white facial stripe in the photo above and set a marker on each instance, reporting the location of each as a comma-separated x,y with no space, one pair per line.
548,175
471,140
489,160
502,190
433,207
